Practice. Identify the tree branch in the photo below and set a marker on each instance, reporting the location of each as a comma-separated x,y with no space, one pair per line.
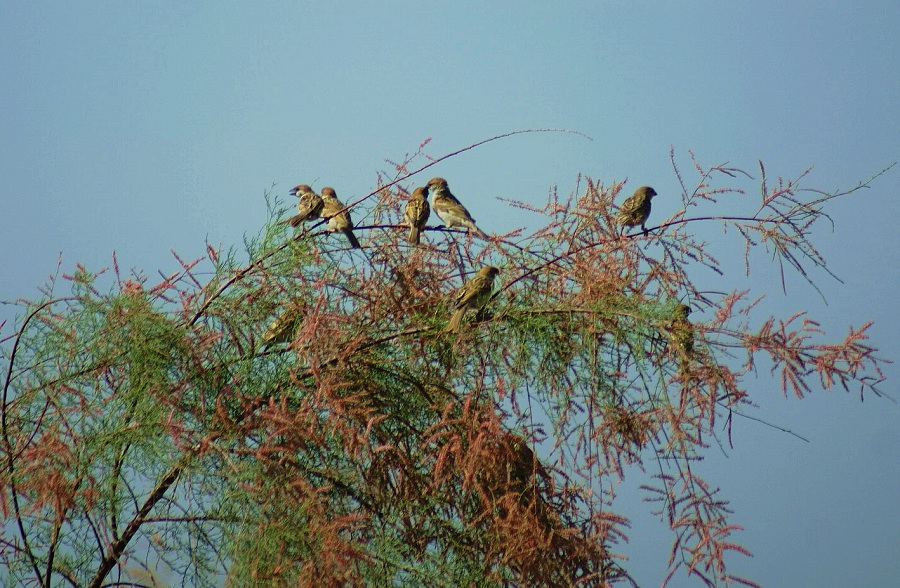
118,547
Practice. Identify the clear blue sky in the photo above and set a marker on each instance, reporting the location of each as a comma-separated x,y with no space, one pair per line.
140,127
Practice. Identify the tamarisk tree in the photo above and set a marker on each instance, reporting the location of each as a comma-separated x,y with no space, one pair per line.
306,418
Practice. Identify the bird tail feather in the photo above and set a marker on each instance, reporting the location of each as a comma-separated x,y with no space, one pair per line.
479,232
456,319
352,238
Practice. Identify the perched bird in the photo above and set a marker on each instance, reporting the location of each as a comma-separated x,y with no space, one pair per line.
449,209
636,208
681,336
282,328
417,213
474,294
338,217
309,207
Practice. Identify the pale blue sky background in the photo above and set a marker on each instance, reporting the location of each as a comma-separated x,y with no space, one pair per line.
140,127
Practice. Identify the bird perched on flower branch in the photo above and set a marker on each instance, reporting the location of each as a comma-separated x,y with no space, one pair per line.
474,294
636,208
681,336
416,213
283,327
449,209
338,216
309,207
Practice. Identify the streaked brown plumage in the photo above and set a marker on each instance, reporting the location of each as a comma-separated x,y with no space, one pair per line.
282,328
636,208
681,336
416,213
449,209
309,207
338,217
474,295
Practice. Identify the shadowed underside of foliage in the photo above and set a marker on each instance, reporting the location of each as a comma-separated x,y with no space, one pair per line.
151,435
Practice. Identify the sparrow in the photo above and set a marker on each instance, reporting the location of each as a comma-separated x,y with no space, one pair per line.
474,294
338,216
636,208
416,213
681,335
282,328
309,207
449,209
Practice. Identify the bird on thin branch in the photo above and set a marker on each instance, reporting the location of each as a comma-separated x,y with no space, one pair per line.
338,216
449,209
474,294
309,205
416,213
636,208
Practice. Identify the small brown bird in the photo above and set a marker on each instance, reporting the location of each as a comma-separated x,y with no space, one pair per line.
338,217
449,209
309,207
636,208
282,328
474,294
417,213
681,336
